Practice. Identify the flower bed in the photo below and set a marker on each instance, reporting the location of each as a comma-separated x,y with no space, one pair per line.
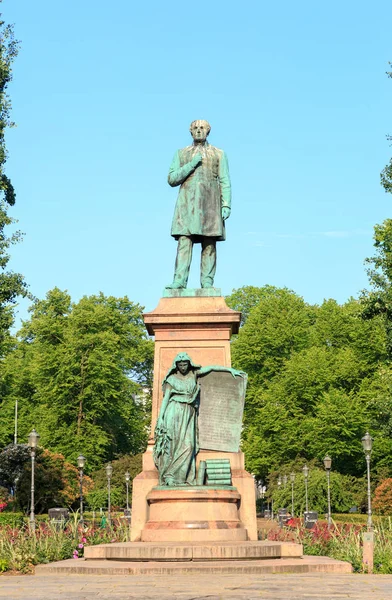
21,548
343,541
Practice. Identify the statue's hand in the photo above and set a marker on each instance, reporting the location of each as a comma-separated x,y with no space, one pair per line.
159,424
196,160
236,373
225,212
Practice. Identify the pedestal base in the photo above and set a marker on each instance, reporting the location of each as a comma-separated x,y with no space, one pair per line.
148,479
199,559
193,514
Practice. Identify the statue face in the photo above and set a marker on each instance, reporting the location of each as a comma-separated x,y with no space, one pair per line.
183,366
199,131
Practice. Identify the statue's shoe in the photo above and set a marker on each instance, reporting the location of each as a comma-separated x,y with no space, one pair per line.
175,286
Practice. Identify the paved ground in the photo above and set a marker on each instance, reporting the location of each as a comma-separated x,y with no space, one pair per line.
220,587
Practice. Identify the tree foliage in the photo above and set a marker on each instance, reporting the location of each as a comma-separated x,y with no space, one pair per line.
13,459
386,173
346,491
12,284
98,496
378,301
56,481
245,298
81,372
382,502
313,374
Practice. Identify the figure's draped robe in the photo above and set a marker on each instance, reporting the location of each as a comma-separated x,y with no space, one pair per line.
178,462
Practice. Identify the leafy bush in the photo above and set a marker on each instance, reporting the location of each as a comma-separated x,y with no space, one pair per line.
13,459
12,519
98,497
4,494
3,565
56,482
382,502
346,491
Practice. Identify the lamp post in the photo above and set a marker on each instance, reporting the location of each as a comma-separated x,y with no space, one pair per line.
16,422
368,537
81,463
33,440
305,471
127,478
327,464
109,471
292,479
367,446
262,494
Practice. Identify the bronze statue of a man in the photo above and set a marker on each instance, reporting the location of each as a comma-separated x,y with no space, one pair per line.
203,204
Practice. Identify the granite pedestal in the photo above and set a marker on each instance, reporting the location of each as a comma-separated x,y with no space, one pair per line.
202,326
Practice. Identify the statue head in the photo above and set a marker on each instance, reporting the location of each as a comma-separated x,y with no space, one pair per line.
199,130
184,360
183,366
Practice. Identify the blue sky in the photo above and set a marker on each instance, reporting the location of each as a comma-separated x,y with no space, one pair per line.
103,95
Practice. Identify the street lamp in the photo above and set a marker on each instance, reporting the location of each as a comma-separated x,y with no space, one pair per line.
262,490
305,471
127,478
327,464
109,471
279,481
81,463
284,480
292,479
33,440
367,446
368,537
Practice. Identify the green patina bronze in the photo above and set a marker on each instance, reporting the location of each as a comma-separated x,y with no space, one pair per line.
203,204
192,292
176,431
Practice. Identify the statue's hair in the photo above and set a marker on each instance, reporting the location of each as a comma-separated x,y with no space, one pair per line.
202,121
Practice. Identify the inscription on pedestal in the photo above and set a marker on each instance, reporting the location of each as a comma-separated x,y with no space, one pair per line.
221,408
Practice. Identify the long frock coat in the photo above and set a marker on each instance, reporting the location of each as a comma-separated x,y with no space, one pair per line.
204,191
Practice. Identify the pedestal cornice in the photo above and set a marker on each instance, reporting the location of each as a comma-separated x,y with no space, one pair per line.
191,313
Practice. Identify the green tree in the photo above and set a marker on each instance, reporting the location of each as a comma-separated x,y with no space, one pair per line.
382,502
97,497
346,491
386,173
378,301
310,369
82,373
244,299
12,284
13,460
56,481
336,428
277,326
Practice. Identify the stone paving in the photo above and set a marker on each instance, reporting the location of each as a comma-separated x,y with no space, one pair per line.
221,587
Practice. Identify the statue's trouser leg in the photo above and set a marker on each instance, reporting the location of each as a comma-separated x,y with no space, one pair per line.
183,260
208,262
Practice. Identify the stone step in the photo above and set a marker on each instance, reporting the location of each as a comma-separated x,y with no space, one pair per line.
183,551
308,564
